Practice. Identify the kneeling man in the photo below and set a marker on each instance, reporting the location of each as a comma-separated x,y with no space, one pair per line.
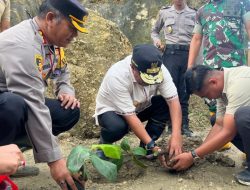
231,89
129,96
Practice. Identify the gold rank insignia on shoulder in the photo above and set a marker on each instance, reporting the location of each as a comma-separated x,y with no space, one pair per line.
169,29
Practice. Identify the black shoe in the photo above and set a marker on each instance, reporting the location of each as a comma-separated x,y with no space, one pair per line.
26,171
244,164
101,155
243,177
186,131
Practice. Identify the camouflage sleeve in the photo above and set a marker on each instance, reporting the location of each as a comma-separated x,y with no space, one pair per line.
198,25
246,11
155,32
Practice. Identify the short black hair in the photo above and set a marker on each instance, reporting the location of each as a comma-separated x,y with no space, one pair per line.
46,7
194,78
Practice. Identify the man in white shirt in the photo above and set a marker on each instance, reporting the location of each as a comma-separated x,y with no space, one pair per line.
230,87
128,96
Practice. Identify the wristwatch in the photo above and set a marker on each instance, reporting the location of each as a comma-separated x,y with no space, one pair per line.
150,145
195,156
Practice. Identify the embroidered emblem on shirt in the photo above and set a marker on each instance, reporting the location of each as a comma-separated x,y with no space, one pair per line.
39,62
169,29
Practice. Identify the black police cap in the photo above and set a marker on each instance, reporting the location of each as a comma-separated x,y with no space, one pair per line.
148,60
73,10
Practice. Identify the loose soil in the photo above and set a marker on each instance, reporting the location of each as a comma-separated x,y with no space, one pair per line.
216,172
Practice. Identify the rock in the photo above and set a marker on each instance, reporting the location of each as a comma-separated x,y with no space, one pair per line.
134,18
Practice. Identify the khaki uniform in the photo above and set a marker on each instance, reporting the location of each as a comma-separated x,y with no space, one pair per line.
4,10
23,70
177,28
177,25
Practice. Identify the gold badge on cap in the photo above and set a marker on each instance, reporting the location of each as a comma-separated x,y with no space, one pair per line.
169,29
79,24
154,68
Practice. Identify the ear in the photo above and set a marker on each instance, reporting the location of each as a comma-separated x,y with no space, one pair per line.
213,81
50,17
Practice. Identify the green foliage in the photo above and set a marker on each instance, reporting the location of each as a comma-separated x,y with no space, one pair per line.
79,155
110,151
106,168
77,158
125,145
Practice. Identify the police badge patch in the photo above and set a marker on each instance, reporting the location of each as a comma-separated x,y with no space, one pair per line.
39,62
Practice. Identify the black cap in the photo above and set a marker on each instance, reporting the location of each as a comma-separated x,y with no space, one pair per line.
73,10
148,60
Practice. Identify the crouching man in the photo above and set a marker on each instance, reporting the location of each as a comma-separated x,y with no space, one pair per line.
231,88
128,96
30,53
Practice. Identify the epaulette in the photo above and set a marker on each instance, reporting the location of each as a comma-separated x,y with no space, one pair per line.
166,7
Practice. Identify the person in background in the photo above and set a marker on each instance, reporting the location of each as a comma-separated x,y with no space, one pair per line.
177,22
31,52
4,14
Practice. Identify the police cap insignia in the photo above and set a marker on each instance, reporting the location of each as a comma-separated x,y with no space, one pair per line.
74,11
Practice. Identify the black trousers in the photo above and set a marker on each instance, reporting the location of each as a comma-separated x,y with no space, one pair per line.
176,63
242,139
114,127
14,114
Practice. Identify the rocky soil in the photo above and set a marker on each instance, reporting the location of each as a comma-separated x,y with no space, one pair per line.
215,172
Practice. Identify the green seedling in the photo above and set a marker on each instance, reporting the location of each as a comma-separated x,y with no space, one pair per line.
80,156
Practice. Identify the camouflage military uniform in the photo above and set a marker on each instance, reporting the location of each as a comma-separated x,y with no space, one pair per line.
221,24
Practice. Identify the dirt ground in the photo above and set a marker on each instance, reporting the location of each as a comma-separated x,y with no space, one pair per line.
213,173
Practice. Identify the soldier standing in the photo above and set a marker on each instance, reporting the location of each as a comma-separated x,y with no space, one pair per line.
177,22
220,24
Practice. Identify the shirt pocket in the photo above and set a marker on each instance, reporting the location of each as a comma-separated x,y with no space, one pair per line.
189,26
169,25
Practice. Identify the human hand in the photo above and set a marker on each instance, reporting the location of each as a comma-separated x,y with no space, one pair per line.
11,158
182,161
68,101
159,46
62,176
175,145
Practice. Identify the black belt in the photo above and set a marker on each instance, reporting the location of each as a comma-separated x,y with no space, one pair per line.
177,47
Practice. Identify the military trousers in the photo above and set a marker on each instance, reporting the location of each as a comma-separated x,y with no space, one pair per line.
114,127
242,139
14,114
176,62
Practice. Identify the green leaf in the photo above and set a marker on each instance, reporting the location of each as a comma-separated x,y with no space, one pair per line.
110,151
77,157
139,151
139,163
105,168
117,162
125,145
